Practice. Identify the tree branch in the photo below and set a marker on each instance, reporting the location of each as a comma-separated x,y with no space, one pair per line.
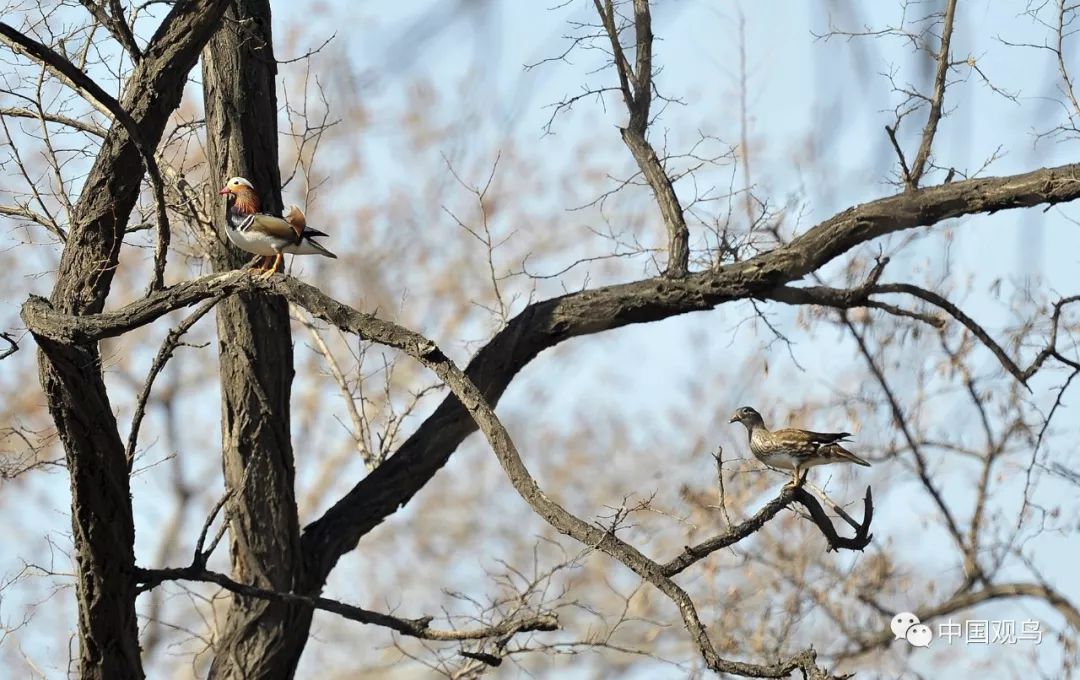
850,298
85,86
13,346
861,539
469,396
417,628
694,553
81,125
596,310
969,323
547,323
905,172
116,24
637,89
918,166
862,536
172,341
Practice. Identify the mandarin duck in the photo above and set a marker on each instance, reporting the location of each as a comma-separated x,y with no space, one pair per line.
267,235
792,449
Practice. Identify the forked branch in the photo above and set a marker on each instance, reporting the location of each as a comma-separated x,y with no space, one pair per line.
637,89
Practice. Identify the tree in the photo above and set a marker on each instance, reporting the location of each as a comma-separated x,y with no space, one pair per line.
711,258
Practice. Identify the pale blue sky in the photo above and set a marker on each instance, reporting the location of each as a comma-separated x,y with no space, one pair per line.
817,113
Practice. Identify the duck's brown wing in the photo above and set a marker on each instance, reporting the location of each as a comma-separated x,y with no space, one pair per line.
837,453
271,226
812,437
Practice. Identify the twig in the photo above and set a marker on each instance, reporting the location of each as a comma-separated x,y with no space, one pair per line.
721,495
417,628
900,154
834,506
116,25
10,350
81,125
694,553
85,86
200,557
172,341
1038,442
936,99
371,459
901,422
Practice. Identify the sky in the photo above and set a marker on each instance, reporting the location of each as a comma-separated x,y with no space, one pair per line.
809,109
809,98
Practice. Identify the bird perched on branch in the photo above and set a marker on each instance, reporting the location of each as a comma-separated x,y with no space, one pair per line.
267,235
792,449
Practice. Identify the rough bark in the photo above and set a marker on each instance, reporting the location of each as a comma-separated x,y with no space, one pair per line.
102,523
256,361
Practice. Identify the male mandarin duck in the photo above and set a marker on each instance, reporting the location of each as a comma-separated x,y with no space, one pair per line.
792,449
264,234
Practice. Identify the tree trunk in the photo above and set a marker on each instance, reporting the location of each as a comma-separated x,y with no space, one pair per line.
101,518
259,638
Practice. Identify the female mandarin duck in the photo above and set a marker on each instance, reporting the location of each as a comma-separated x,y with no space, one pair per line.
792,449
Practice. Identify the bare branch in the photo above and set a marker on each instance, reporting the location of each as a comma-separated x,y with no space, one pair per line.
900,420
371,458
859,296
46,220
14,346
172,341
80,125
862,536
1022,375
417,628
637,89
428,354
116,25
891,131
918,166
90,90
694,553
545,324
788,495
848,298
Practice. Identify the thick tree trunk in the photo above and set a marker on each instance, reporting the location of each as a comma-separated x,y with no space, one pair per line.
101,517
259,638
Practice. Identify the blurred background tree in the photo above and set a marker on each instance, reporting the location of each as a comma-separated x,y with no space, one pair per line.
472,161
